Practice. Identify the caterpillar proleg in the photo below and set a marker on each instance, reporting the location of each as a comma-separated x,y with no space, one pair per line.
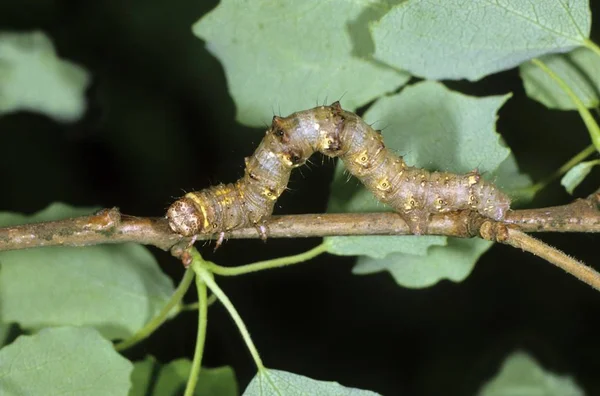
414,193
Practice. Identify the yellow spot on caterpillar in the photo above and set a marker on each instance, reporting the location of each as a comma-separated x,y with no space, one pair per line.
269,193
472,179
200,204
410,204
362,158
472,201
383,185
439,203
285,159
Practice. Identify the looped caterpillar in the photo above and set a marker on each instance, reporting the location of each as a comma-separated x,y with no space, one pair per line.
412,192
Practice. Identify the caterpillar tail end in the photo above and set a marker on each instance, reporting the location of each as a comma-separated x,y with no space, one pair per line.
185,218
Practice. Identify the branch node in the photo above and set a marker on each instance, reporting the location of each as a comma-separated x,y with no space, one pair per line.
104,219
494,231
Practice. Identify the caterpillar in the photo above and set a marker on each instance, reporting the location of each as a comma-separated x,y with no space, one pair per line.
414,193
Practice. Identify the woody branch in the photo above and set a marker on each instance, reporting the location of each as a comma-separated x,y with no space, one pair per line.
110,226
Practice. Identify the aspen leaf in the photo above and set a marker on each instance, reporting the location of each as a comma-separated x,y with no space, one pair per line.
281,383
286,55
455,39
520,374
63,361
577,174
578,69
34,78
114,288
151,378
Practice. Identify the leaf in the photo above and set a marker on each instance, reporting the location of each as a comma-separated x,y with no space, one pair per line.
151,378
516,184
455,261
577,174
63,361
522,375
4,333
380,246
282,383
435,128
55,211
287,55
114,288
578,69
454,39
33,78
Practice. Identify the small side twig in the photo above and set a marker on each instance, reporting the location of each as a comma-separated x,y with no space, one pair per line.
554,256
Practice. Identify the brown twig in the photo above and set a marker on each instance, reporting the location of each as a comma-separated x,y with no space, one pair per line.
554,256
110,226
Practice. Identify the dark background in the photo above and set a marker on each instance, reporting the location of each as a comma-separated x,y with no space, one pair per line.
160,121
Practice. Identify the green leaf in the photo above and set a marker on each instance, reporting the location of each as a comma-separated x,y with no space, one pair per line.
281,383
516,184
577,174
522,375
454,39
33,78
380,246
579,70
286,55
55,211
63,361
151,378
455,261
434,127
4,332
114,288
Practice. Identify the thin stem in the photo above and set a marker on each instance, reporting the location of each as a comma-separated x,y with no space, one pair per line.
267,264
194,306
160,318
592,46
587,117
551,254
207,278
579,157
200,337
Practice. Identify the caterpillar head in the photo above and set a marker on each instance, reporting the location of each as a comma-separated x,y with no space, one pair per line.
185,218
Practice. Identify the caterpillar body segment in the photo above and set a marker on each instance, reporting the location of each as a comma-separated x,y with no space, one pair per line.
414,193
